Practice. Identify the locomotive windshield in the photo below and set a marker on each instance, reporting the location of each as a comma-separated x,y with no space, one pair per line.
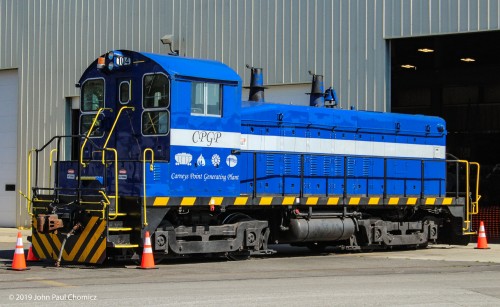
156,91
86,122
92,100
92,95
156,100
155,122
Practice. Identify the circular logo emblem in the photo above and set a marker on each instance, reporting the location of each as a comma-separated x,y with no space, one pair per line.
231,160
215,160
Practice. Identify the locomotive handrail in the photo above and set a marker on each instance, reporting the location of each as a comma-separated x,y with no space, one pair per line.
66,189
238,151
151,168
473,205
30,152
28,197
50,164
467,221
56,188
37,151
90,131
114,124
471,199
293,124
58,137
106,202
116,213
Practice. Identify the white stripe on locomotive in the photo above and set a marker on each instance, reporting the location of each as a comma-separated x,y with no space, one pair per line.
252,142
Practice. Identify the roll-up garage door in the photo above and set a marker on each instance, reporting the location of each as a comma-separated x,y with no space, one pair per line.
8,147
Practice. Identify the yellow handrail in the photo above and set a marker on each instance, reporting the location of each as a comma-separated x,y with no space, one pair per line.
114,124
50,165
471,201
116,179
28,197
106,203
475,203
467,220
103,156
151,168
90,131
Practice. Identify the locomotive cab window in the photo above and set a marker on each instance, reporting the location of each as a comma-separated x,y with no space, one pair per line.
92,95
206,99
156,100
86,121
155,122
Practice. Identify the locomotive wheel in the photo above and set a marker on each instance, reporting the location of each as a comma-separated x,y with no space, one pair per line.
235,218
238,256
231,219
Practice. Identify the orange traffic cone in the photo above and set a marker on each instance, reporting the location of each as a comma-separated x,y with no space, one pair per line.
482,243
19,262
147,261
31,256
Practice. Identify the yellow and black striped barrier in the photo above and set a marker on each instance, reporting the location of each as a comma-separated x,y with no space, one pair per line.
307,201
89,246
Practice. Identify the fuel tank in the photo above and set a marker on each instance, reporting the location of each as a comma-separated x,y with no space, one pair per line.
320,229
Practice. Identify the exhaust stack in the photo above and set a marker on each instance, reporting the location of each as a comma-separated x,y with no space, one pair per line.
317,93
256,85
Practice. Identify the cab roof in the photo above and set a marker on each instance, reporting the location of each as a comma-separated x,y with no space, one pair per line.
177,67
183,67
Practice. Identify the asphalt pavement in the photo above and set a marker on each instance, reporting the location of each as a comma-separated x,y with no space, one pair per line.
435,276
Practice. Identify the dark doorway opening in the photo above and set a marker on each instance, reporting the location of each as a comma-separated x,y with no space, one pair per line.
456,77
75,130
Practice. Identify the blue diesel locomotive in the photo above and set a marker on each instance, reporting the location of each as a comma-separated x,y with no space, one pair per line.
166,146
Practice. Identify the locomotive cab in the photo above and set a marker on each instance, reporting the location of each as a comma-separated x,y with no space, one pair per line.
155,131
183,114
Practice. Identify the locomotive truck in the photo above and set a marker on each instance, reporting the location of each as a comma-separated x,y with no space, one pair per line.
167,146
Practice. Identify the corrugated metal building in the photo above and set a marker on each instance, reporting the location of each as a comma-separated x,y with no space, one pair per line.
45,45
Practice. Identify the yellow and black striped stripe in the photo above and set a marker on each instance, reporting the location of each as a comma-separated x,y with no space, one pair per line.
89,246
308,201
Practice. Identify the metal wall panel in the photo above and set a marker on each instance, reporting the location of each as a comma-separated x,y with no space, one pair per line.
418,17
51,42
10,32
